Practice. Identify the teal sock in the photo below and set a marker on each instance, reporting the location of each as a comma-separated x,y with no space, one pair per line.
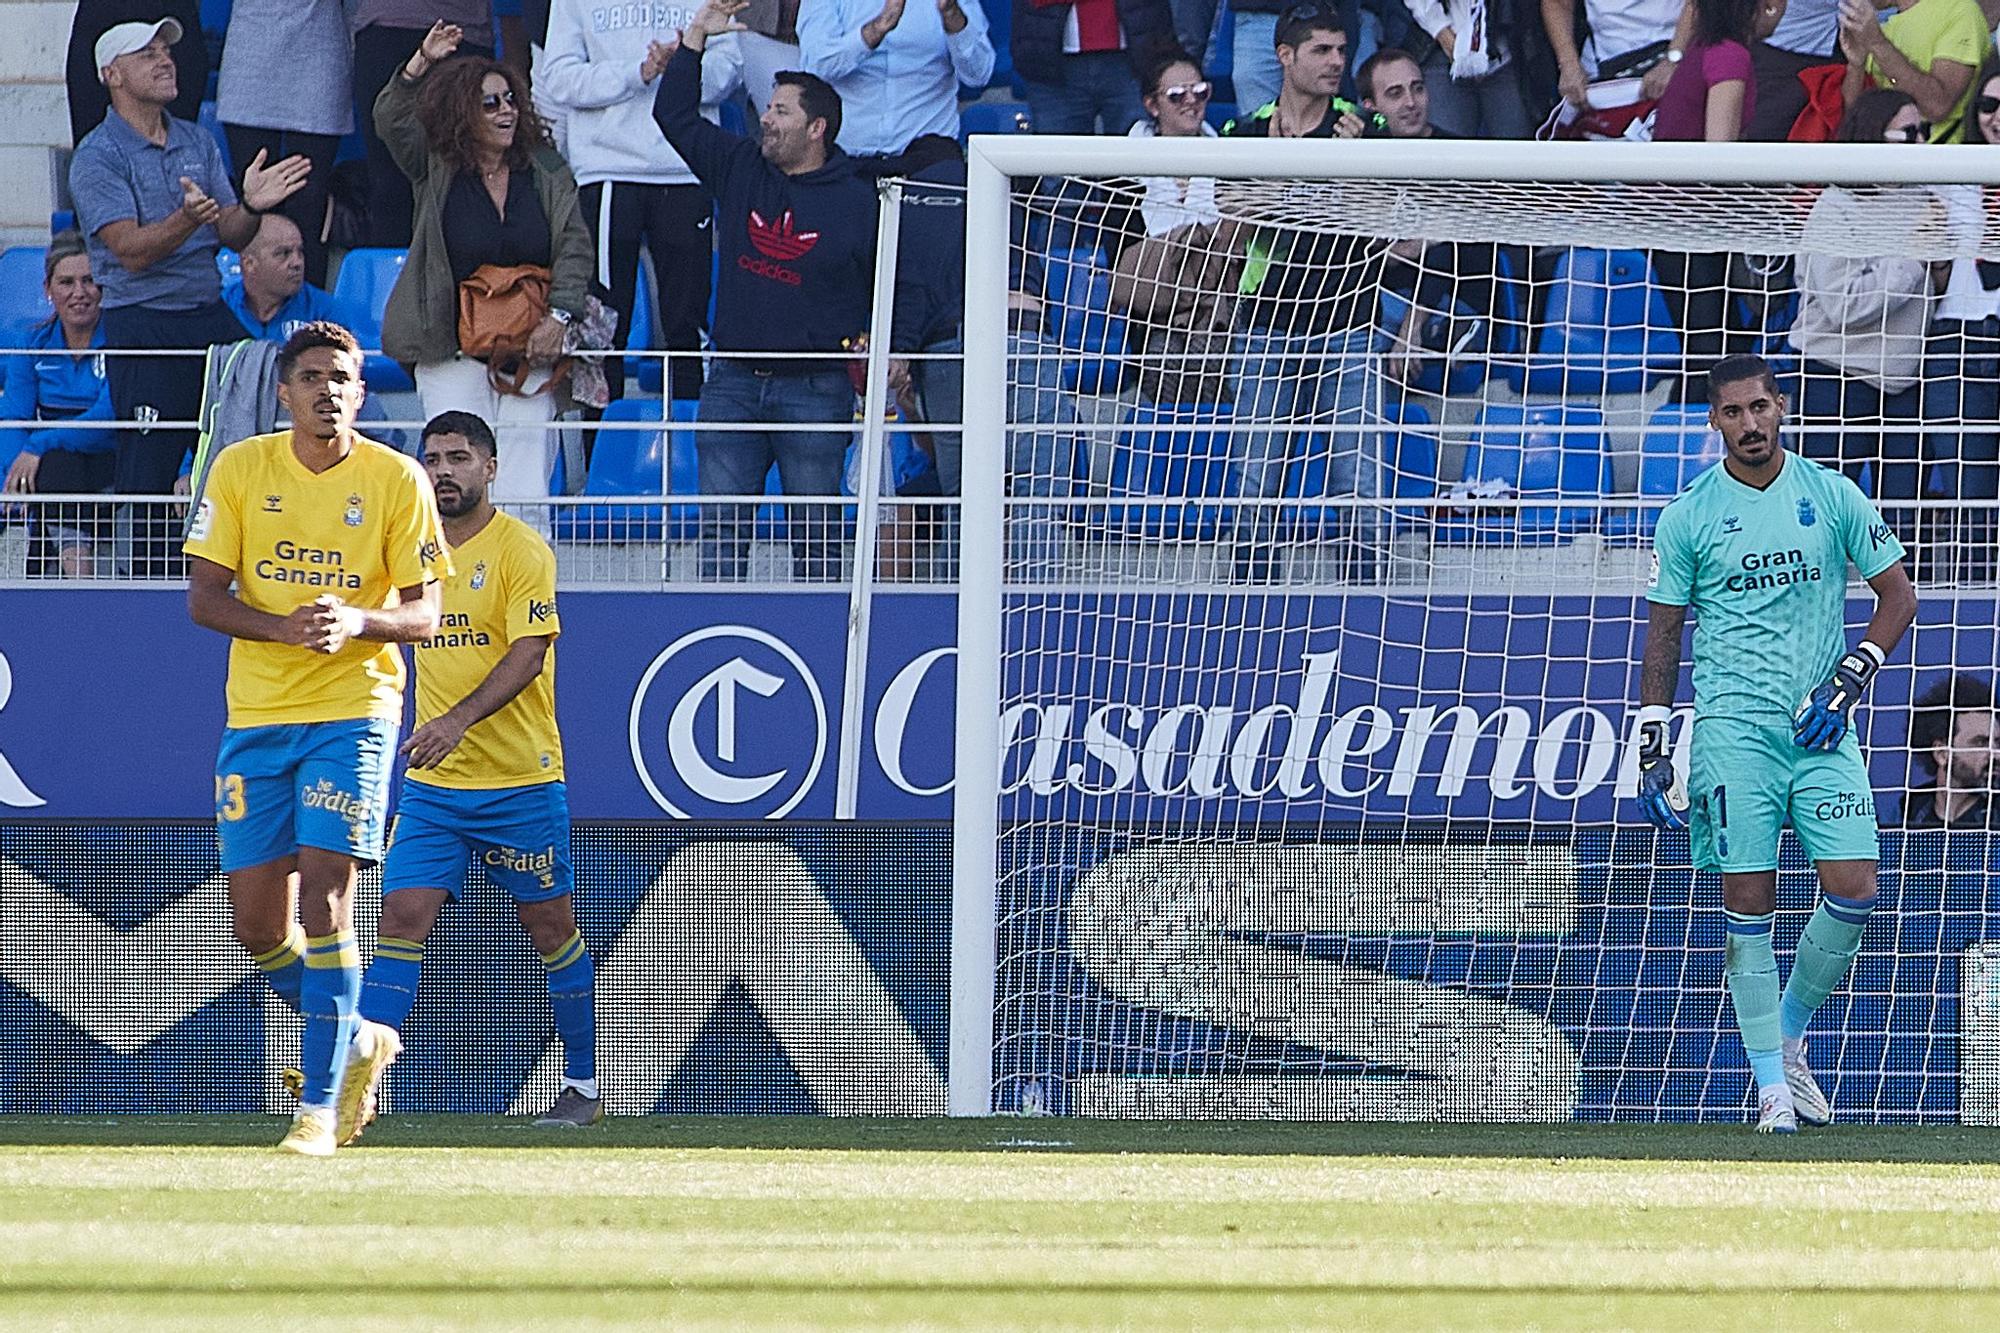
573,996
390,987
1751,970
328,996
1826,951
284,967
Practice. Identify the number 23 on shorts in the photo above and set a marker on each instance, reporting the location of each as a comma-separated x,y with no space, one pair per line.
229,803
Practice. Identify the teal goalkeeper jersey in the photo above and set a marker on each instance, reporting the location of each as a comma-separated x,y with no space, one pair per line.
1765,573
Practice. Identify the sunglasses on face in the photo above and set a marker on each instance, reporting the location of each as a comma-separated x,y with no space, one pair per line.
1187,92
1907,134
1986,106
494,101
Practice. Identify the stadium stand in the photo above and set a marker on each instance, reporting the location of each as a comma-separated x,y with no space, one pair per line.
22,301
635,463
364,281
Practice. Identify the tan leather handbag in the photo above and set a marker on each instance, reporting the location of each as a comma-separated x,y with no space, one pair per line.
498,307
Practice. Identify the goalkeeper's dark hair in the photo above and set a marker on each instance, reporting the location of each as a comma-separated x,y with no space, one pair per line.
1936,712
1299,22
469,424
319,333
1736,369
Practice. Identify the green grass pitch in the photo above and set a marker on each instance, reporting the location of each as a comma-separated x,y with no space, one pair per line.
484,1223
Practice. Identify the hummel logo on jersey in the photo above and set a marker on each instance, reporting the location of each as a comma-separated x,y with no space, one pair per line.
1806,515
778,240
1732,525
274,504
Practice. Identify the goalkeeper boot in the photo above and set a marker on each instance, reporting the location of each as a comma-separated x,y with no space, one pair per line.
1807,1099
374,1049
311,1134
572,1110
1775,1114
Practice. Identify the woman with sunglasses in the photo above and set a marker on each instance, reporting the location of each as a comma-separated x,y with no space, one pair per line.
1962,371
1861,323
490,190
1174,279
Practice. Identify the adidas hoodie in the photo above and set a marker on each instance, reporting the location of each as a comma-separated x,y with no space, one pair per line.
797,253
591,67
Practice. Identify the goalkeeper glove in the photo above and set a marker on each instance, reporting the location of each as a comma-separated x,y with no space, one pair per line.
1821,722
1661,797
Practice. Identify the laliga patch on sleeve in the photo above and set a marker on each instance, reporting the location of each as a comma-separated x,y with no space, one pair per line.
1653,579
204,518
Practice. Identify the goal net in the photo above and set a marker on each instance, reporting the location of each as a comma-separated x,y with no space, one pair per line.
1309,492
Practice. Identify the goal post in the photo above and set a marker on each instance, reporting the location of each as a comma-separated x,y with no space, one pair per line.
1248,826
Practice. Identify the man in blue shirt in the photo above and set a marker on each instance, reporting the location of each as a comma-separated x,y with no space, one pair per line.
897,68
271,298
155,202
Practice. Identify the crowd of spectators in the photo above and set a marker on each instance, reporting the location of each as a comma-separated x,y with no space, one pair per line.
590,148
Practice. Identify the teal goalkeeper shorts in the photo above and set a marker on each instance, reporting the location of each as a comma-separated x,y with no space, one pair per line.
1745,779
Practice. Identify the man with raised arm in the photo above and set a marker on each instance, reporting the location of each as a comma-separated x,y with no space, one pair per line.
1759,547
317,551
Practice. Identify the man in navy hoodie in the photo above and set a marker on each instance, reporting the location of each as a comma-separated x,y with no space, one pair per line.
795,230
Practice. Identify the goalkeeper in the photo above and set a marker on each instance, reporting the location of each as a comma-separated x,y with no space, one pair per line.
1759,547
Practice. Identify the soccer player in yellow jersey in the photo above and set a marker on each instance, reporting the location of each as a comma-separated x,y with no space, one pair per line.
335,549
485,780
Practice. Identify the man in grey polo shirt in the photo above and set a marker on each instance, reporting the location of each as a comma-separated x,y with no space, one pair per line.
154,199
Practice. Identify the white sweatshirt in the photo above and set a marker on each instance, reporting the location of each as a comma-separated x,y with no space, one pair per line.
594,51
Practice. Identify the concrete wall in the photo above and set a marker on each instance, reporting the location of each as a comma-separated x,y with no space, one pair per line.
34,114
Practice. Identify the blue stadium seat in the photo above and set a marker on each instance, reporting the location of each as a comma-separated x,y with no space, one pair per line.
732,116
1078,285
60,221
1495,342
1220,113
639,338
1605,329
629,462
22,301
365,279
212,122
1409,468
1542,452
1172,452
228,263
1679,445
215,16
1000,31
994,118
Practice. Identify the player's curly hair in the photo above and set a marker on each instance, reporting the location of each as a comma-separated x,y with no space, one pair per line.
319,333
1936,710
449,111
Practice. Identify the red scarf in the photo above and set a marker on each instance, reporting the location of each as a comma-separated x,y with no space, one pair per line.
1097,27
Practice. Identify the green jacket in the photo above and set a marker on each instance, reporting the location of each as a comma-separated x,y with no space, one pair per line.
420,323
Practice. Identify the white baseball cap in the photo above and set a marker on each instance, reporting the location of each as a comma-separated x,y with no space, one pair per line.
123,39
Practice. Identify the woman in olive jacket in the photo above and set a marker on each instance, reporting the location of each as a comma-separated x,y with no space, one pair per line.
490,189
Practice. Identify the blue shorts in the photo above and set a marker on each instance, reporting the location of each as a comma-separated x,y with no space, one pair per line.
519,834
305,784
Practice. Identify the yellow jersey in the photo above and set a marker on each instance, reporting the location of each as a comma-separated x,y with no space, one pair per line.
360,530
502,588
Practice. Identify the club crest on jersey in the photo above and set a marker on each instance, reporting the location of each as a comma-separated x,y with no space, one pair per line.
1732,525
479,576
1807,516
353,515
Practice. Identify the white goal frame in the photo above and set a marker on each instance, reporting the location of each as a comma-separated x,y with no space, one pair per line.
992,162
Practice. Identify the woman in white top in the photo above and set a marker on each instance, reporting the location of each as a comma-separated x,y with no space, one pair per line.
1174,278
